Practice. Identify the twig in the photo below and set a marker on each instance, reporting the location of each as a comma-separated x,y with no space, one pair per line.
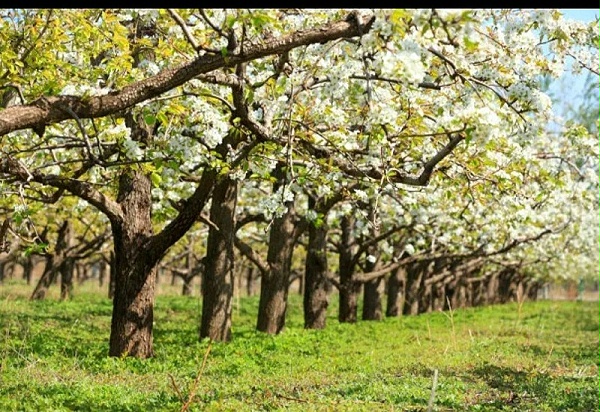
433,387
192,393
184,28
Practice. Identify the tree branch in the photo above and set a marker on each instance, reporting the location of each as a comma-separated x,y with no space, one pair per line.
84,190
48,110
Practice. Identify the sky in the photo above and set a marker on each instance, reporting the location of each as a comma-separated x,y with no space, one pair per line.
580,14
575,83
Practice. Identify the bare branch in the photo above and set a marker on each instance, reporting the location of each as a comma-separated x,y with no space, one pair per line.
184,28
84,190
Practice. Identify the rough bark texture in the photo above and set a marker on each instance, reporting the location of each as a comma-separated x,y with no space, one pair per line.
135,276
275,280
217,290
349,288
274,284
316,284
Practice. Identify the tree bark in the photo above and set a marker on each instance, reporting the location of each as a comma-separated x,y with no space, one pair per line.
316,284
218,279
415,274
349,288
274,285
395,292
112,274
372,290
28,268
133,301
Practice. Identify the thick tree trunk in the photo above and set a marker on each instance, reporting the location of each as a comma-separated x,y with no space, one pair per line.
275,280
316,286
274,284
349,288
112,275
217,290
477,292
372,306
438,297
395,292
135,273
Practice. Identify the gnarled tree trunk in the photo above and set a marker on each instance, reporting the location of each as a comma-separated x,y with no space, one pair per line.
135,273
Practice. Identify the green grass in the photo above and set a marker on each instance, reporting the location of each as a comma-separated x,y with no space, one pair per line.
542,356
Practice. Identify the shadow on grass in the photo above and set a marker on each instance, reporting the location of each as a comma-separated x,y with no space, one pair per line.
521,390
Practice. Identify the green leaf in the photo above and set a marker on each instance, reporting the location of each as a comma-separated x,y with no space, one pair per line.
156,179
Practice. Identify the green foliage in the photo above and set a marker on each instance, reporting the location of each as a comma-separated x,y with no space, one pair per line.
538,357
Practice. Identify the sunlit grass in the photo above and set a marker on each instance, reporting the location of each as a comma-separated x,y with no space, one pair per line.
543,357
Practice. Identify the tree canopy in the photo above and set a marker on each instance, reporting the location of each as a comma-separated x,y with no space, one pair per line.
436,119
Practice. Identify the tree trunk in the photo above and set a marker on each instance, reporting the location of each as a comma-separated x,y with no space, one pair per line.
505,286
103,271
66,279
112,275
190,271
491,289
316,284
250,281
349,288
395,292
186,288
28,268
372,290
274,285
54,261
415,273
135,273
217,289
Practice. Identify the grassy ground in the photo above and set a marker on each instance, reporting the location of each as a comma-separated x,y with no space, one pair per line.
535,357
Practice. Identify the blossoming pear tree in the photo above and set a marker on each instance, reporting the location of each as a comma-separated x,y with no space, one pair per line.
148,114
